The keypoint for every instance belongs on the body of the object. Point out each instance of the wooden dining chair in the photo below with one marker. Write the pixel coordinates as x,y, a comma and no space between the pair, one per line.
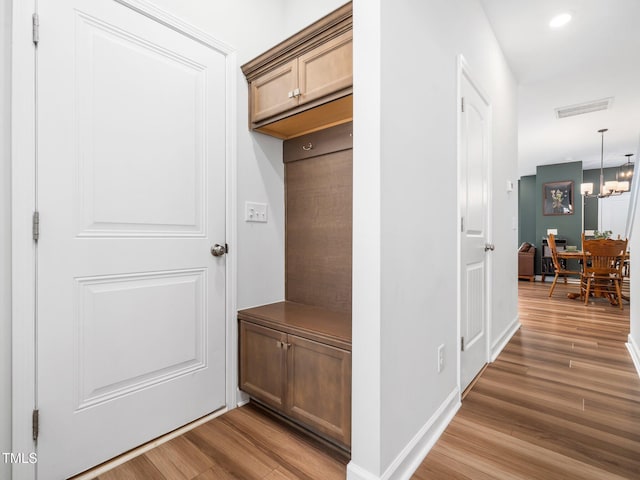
602,272
560,270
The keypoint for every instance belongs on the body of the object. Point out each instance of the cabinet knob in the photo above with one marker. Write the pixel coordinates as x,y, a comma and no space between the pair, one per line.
307,147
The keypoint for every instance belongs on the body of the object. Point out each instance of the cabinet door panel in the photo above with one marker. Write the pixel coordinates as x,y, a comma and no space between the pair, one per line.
270,92
320,388
326,69
263,364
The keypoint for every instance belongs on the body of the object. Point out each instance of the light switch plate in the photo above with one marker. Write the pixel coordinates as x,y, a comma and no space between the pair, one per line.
510,186
255,212
552,230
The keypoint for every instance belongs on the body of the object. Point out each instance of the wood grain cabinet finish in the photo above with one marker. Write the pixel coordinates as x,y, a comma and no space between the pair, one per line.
319,387
296,359
325,70
306,71
318,208
263,372
272,93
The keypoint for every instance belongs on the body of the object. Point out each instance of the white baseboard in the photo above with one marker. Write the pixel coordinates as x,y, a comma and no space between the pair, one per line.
355,472
410,458
508,332
242,398
634,350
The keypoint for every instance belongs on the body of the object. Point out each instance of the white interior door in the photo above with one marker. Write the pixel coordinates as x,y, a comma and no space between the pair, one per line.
131,195
474,200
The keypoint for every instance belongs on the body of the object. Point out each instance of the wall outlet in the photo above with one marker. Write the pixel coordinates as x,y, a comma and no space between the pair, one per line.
440,358
255,212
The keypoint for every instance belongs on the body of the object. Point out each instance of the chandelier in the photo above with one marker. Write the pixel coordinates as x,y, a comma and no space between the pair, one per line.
607,189
625,172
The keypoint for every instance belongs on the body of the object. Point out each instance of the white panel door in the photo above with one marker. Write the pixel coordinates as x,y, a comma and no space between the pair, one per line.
131,194
474,161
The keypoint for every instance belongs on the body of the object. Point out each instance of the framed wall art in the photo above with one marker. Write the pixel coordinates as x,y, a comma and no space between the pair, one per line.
557,198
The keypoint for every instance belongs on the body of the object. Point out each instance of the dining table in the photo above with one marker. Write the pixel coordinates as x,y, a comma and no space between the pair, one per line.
578,255
570,254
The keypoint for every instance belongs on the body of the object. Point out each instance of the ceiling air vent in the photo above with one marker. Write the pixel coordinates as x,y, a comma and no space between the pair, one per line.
581,108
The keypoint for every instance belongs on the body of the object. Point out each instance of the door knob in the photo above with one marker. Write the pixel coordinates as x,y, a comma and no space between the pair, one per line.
218,250
489,246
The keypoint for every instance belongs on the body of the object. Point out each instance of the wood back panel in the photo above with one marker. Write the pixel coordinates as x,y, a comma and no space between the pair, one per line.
318,232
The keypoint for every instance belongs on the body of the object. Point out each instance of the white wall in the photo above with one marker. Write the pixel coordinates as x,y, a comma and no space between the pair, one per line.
634,307
415,199
5,235
301,13
366,295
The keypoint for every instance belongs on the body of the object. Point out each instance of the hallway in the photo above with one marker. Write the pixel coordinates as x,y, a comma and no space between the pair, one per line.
562,401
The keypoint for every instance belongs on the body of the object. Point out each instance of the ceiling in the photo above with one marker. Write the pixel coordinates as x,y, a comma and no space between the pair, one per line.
595,56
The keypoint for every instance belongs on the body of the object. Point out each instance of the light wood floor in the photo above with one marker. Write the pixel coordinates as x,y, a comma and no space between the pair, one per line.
243,444
561,402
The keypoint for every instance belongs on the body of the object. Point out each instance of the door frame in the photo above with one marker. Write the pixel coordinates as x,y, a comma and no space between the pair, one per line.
23,199
463,70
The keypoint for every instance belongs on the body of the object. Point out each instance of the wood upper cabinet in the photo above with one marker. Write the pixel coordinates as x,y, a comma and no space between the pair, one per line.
326,69
272,93
307,71
314,75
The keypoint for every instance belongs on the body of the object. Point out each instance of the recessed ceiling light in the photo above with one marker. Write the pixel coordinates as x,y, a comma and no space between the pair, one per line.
560,20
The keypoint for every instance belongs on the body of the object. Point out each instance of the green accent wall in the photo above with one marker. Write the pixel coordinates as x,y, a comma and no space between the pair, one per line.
568,226
527,210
